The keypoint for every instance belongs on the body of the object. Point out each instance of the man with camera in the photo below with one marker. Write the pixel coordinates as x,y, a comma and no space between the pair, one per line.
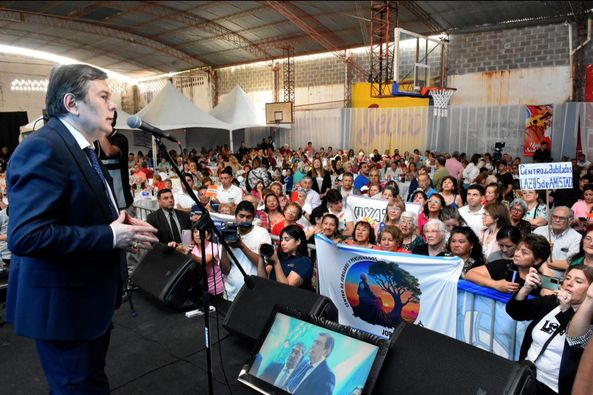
245,247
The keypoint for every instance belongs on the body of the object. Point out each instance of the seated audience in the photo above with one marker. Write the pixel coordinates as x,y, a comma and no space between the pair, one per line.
449,192
432,210
473,212
167,220
564,240
496,215
451,218
585,254
407,224
583,208
464,244
545,343
507,275
291,264
517,210
436,239
272,208
536,210
329,227
392,216
390,239
363,235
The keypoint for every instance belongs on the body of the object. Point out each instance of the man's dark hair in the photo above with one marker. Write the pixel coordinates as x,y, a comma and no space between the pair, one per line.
333,196
227,170
245,205
441,159
71,78
478,188
347,174
162,191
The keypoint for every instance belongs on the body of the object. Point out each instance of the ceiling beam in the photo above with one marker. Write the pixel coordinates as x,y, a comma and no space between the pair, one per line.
433,26
222,19
329,41
98,29
198,22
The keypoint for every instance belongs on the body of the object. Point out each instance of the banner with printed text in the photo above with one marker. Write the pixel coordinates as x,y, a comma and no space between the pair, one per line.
538,128
367,208
375,291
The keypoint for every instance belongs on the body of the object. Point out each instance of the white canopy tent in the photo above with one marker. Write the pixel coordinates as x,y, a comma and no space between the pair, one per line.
170,110
240,112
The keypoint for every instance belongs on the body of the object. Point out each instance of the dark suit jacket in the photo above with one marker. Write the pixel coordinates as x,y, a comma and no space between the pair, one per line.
320,382
64,281
270,374
326,184
159,220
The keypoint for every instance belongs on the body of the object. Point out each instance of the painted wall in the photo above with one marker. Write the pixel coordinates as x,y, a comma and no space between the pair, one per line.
538,85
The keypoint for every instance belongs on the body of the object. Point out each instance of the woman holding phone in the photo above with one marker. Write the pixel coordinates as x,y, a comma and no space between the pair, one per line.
545,342
508,275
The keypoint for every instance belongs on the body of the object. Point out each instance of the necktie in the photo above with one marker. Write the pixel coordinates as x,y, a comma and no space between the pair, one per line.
297,377
176,236
90,153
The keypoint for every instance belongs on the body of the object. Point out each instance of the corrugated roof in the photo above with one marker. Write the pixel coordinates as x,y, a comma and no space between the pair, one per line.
144,38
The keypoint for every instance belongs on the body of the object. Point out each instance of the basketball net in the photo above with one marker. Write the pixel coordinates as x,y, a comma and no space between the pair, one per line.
440,100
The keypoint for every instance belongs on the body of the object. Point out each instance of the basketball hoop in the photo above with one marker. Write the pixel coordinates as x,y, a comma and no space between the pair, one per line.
441,97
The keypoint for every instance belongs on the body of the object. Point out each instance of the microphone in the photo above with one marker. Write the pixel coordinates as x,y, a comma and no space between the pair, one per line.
135,122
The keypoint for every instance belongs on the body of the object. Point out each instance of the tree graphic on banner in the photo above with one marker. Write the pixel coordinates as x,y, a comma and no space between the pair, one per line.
397,283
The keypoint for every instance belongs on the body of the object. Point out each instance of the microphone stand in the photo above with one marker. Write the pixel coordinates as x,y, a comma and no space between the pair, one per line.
205,224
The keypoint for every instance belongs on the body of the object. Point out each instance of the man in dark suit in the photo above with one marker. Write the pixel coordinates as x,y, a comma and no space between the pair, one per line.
66,236
168,221
314,376
279,373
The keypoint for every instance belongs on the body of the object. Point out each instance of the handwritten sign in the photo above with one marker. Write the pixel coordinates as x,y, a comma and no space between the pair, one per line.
556,175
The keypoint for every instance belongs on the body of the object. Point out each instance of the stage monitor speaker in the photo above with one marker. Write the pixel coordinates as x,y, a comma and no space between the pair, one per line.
251,308
422,361
279,112
167,275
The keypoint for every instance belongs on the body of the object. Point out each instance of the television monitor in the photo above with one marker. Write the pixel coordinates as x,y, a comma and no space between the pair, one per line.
298,353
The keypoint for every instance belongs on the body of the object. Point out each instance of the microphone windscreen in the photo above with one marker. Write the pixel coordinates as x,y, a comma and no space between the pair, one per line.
134,122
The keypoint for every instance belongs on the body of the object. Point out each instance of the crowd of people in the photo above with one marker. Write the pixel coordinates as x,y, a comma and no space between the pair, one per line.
455,206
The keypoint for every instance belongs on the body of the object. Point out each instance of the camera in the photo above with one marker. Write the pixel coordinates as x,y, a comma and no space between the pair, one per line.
498,146
230,232
267,251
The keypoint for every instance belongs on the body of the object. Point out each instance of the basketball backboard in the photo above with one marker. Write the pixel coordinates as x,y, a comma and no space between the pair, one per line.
417,61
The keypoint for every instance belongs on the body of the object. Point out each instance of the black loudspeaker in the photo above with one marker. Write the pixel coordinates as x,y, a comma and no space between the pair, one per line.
422,361
251,308
167,275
